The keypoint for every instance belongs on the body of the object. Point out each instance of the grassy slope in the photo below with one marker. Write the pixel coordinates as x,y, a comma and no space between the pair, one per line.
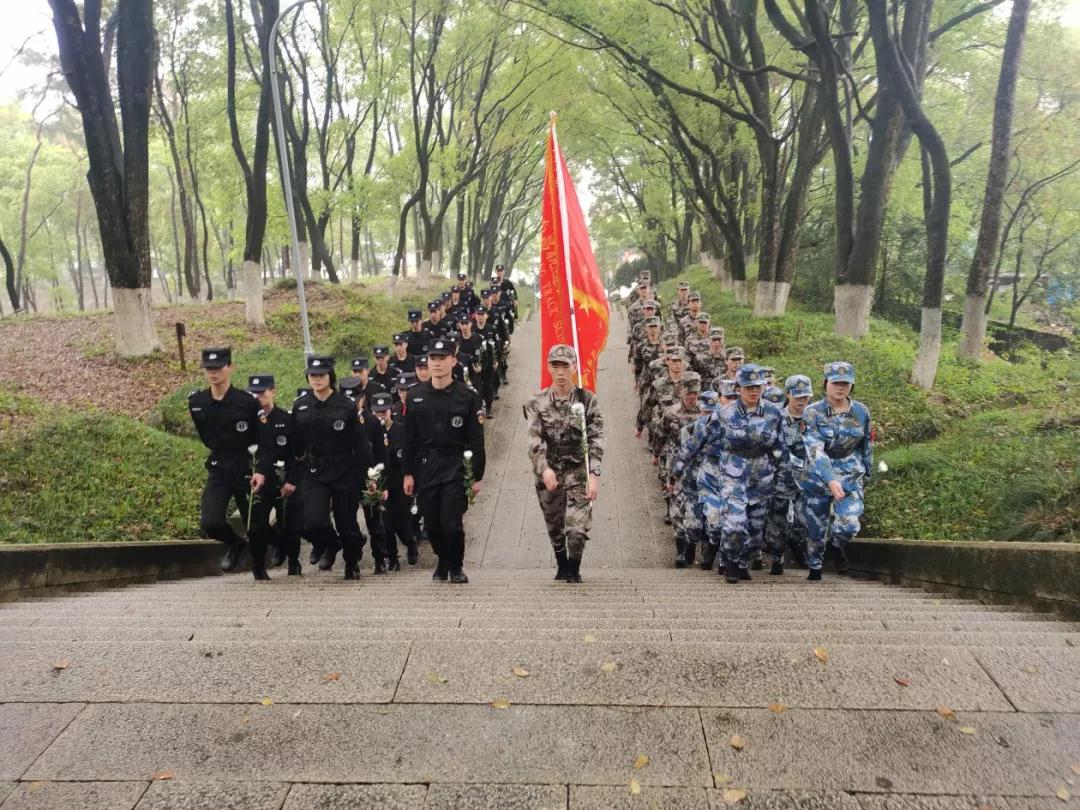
991,453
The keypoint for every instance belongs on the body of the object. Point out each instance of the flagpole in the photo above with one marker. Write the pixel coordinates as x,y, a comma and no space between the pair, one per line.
565,226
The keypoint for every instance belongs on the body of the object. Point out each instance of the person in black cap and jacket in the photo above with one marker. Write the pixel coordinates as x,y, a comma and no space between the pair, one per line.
331,445
402,362
227,421
444,420
371,426
382,374
276,456
397,517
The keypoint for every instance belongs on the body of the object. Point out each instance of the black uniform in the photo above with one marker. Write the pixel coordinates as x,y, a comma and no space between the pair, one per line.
276,449
227,426
374,432
418,341
437,330
384,379
331,445
399,367
440,425
397,517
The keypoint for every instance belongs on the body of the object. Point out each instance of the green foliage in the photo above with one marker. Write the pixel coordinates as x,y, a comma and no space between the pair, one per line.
93,476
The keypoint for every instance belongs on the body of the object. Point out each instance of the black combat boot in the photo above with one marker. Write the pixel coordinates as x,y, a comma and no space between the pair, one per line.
561,565
294,568
380,567
327,560
260,574
758,565
777,569
412,552
233,553
708,555
691,551
731,571
797,554
442,573
815,575
457,576
277,557
394,564
573,570
352,570
744,574
680,556
840,555
315,555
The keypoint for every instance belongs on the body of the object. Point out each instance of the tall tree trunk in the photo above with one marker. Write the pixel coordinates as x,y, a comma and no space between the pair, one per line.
119,167
9,276
176,177
973,326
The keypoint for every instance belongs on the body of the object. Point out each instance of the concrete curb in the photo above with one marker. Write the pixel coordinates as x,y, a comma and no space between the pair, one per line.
1042,576
34,569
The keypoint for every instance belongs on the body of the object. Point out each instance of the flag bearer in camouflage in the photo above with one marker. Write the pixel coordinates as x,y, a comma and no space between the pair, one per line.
711,364
839,459
566,434
742,442
784,528
697,342
648,349
672,421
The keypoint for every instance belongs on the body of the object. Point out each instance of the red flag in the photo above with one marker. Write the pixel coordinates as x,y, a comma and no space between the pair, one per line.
564,240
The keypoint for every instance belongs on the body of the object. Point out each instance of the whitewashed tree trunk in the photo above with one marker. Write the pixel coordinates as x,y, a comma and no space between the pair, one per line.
134,322
770,298
436,262
851,305
354,269
739,289
305,261
973,329
391,288
253,294
423,274
925,368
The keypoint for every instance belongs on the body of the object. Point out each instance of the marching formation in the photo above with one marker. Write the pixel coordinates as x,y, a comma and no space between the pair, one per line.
401,443
746,465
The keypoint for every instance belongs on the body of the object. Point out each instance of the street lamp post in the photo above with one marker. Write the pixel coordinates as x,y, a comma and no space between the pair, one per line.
286,175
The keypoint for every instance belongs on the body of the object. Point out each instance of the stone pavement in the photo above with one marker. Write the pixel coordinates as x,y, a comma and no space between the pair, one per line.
644,687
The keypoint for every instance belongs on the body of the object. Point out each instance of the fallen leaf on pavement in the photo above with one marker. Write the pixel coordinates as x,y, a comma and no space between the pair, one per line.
436,678
946,712
1076,768
635,787
267,702
737,742
1063,793
721,779
61,664
331,676
521,672
734,795
902,681
166,774
641,762
821,654
589,637
969,730
608,666
778,708
501,703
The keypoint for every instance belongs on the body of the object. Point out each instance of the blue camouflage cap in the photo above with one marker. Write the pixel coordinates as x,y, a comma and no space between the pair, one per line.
708,400
840,371
750,375
774,395
798,385
727,388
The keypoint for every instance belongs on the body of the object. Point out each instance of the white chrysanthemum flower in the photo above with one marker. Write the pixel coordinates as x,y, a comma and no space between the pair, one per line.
578,409
413,510
468,455
380,467
372,472
280,464
253,449
882,467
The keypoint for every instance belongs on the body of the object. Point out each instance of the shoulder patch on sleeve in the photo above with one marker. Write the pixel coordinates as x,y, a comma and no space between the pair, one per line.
192,393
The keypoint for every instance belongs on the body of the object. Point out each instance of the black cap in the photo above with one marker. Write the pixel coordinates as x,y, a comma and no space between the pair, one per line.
434,305
446,296
441,348
216,358
399,338
481,310
462,276
359,363
485,293
468,285
382,401
416,315
421,361
404,382
319,364
380,351
499,267
350,385
260,383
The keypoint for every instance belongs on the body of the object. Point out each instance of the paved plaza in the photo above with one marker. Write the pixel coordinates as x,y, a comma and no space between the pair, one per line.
644,687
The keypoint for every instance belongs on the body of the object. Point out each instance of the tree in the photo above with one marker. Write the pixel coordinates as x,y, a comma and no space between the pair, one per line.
973,327
118,166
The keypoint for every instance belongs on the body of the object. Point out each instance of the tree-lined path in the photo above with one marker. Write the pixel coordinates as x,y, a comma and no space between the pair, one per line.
646,686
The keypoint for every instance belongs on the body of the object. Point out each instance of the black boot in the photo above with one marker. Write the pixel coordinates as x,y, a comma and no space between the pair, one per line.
380,567
260,574
731,571
314,556
708,555
680,556
842,564
326,562
412,552
277,557
777,568
294,568
457,576
233,553
797,554
352,570
442,573
394,564
744,574
561,565
758,565
573,570
815,575
690,551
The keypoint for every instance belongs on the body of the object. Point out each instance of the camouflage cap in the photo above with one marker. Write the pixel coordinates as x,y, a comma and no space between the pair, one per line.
676,353
704,317
716,333
695,296
683,285
561,353
727,388
798,385
643,282
840,371
669,340
653,321
644,275
690,383
650,303
708,401
774,395
734,351
750,375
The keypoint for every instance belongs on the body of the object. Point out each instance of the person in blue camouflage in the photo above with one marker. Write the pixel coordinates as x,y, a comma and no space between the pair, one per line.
742,444
784,528
839,458
687,497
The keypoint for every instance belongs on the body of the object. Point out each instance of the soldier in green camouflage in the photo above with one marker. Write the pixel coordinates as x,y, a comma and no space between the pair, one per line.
697,343
658,367
647,350
566,446
678,308
688,323
650,309
711,365
661,393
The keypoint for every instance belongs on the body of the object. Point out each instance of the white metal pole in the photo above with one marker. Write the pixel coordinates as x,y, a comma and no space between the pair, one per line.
286,176
565,241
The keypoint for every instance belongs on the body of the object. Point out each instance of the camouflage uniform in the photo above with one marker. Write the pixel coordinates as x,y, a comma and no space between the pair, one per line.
555,442
688,501
784,527
668,439
737,474
660,395
644,353
697,344
652,371
710,366
838,448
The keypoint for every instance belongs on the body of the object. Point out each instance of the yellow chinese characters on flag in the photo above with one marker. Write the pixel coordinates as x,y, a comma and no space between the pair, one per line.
564,242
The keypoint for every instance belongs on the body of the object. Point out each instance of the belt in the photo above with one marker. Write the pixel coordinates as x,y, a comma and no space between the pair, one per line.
749,455
834,454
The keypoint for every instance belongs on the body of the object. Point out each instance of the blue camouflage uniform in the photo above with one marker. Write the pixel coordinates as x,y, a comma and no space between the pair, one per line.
688,503
784,527
838,448
740,450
